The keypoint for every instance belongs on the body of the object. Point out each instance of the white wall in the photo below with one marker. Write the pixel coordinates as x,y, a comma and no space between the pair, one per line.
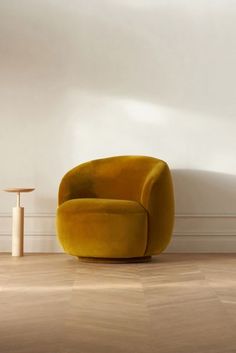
87,79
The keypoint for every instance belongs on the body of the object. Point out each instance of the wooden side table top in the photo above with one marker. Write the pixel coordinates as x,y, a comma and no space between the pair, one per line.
19,190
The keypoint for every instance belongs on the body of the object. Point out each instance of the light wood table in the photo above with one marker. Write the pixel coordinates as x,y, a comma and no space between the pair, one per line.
18,222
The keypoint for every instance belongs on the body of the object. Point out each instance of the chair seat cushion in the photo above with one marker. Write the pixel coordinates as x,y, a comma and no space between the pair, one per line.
103,228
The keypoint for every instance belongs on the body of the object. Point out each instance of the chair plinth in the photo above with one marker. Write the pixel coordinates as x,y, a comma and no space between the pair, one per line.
114,260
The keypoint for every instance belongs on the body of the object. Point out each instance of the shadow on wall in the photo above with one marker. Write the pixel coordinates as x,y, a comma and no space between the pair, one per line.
196,192
204,192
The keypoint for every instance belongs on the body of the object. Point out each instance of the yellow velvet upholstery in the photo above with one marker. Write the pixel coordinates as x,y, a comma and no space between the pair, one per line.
117,207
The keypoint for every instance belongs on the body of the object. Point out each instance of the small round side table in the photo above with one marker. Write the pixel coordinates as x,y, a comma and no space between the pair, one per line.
18,222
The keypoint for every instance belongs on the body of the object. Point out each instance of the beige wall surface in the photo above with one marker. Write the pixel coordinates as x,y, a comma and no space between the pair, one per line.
86,79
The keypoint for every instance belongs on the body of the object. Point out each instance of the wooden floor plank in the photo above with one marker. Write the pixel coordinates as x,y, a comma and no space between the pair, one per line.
178,303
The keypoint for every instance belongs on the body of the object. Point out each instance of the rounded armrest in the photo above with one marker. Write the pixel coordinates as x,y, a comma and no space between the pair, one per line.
157,198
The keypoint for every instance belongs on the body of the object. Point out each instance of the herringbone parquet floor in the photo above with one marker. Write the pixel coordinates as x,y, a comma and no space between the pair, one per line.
179,303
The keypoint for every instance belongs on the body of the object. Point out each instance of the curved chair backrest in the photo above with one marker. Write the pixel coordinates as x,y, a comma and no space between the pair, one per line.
146,180
111,178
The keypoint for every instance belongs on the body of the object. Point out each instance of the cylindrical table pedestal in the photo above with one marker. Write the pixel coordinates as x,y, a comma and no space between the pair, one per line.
17,231
18,222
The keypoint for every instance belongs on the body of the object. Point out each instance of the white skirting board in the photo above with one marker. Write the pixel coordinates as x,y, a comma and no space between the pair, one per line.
33,243
192,233
202,244
186,244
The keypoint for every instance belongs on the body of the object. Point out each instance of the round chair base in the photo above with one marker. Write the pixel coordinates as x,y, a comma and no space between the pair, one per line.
115,260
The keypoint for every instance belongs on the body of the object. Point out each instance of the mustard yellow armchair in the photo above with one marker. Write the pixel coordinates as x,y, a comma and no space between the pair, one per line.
116,209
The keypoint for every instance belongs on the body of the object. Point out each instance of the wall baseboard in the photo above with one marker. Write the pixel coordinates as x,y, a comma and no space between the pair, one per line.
192,233
33,243
186,244
202,243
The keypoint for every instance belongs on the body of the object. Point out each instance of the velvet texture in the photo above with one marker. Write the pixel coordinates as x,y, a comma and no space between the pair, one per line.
117,207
